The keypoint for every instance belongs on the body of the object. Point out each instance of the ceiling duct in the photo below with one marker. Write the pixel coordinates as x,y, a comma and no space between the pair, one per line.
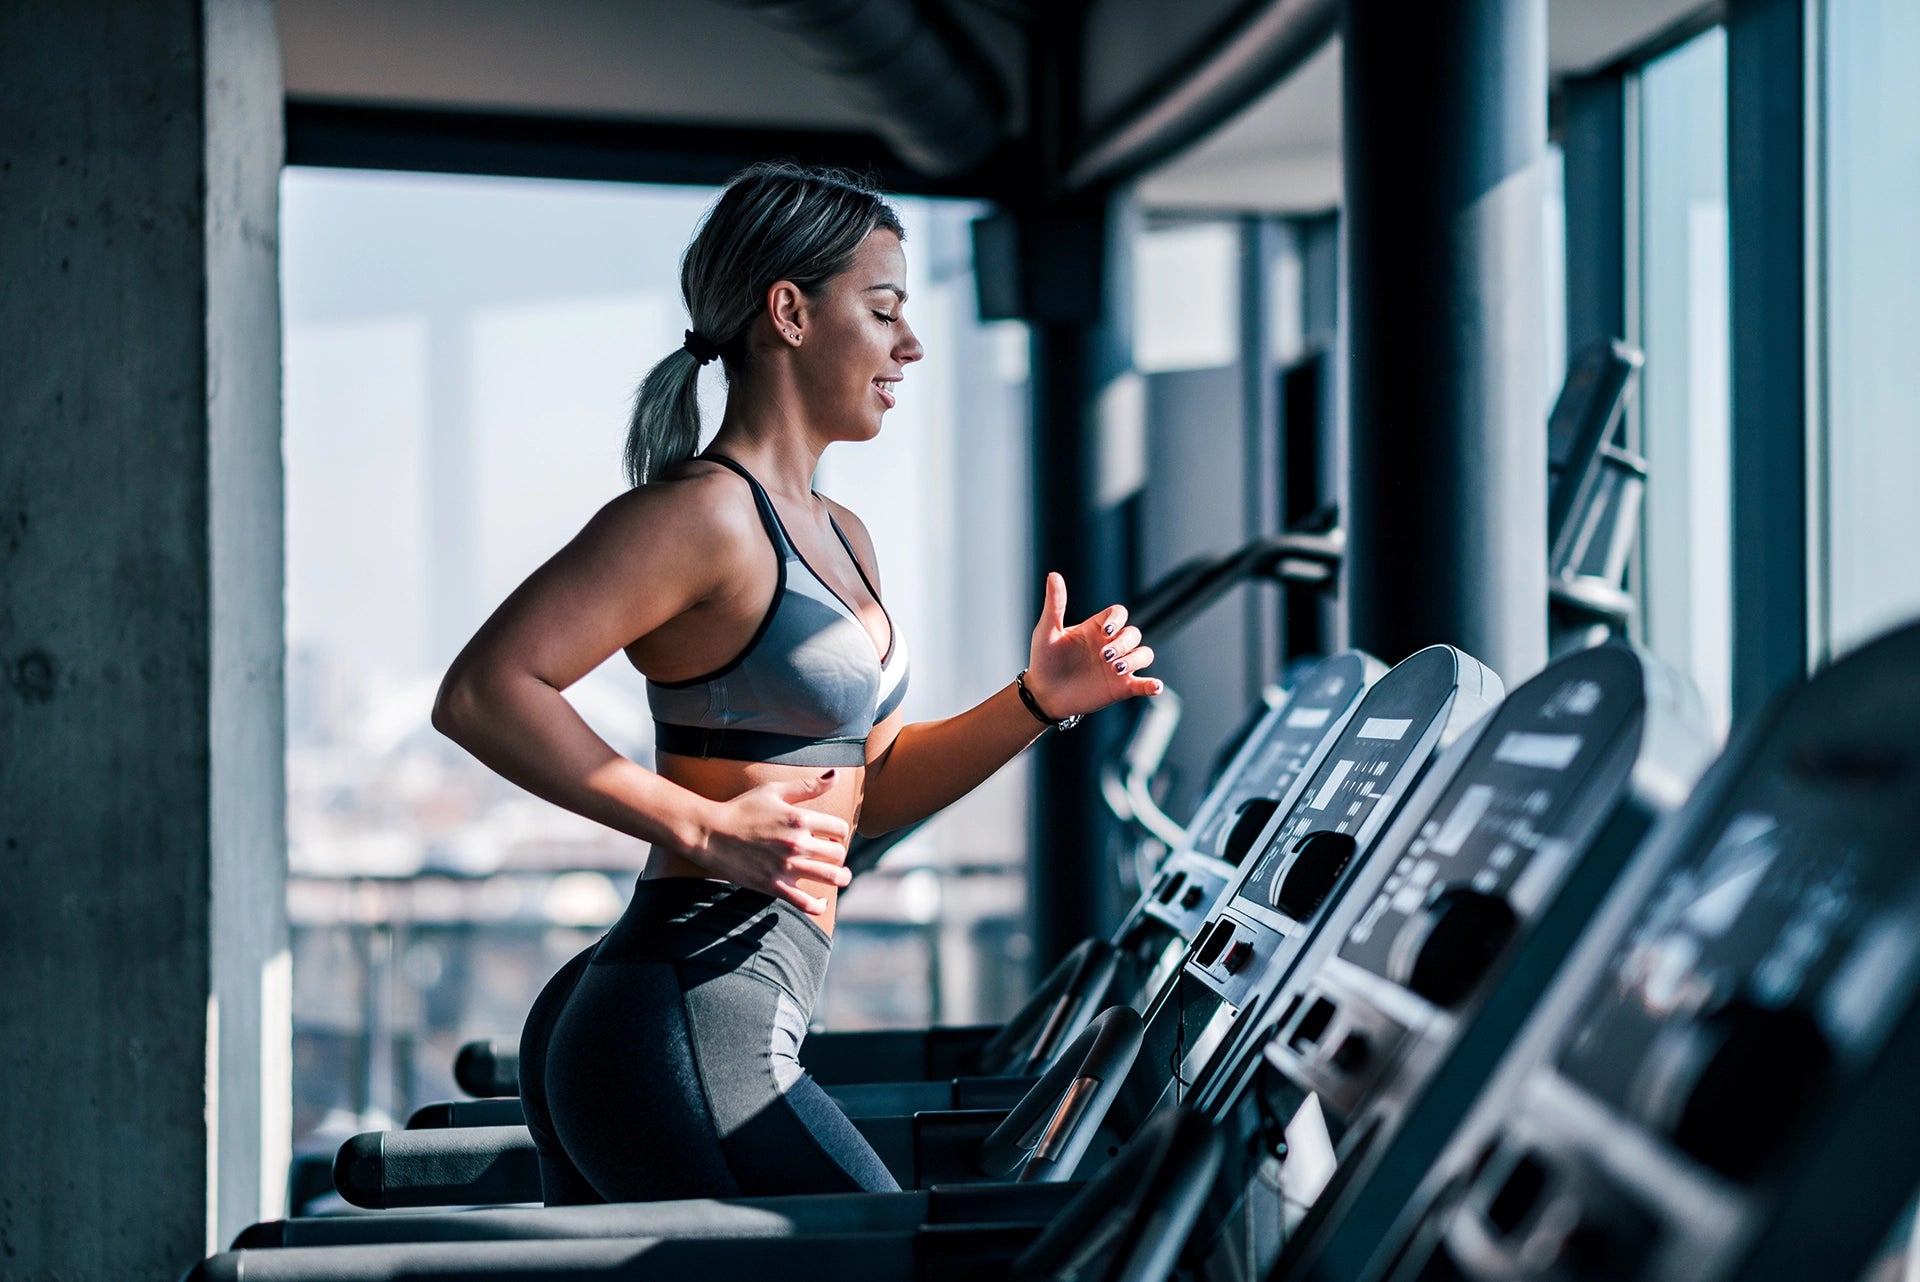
932,95
1250,54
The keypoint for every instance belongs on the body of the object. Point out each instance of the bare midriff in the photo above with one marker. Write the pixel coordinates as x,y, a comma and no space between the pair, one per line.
723,780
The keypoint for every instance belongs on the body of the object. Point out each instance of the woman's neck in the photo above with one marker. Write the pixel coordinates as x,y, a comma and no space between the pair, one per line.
766,438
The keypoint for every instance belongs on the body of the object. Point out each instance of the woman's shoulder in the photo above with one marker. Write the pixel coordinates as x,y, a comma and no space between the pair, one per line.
696,509
694,493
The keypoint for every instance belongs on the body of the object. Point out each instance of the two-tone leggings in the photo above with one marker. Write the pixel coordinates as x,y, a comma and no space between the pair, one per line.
663,1063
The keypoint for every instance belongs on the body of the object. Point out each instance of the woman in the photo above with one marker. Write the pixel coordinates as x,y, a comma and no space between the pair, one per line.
663,1062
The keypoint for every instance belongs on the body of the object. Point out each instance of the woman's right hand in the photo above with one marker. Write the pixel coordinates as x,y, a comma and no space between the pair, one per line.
765,840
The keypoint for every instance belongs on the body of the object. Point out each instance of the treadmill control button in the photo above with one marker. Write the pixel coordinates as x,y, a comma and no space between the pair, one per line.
1447,947
1192,898
1254,816
1565,1220
1728,1086
1313,1025
1352,1053
1207,951
1237,957
1318,859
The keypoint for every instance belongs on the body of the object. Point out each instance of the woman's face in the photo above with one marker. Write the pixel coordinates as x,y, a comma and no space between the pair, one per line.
855,340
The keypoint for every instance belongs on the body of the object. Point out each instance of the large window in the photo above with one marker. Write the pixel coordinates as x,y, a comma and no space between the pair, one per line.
1872,279
460,359
1186,296
1684,330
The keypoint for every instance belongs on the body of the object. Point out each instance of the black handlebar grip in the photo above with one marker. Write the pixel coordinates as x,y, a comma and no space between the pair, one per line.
489,1068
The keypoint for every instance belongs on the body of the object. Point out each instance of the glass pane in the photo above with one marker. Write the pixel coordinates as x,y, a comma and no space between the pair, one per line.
461,354
1554,280
1873,316
1186,297
1687,595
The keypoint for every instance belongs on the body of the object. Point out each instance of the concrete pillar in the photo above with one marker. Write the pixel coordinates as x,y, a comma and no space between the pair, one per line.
1444,140
1089,456
144,985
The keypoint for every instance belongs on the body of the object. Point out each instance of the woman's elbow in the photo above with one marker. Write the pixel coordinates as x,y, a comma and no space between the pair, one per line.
456,706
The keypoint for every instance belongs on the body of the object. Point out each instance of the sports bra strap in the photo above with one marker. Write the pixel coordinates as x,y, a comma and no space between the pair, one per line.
857,567
769,518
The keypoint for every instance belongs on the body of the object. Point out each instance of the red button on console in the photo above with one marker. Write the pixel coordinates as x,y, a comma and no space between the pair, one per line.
1237,957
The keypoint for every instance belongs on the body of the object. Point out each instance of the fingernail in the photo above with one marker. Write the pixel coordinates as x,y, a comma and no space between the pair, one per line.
1121,667
1108,629
828,775
1107,654
1158,686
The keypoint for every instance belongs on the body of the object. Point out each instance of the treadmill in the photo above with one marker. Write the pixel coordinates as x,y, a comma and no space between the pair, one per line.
1720,1083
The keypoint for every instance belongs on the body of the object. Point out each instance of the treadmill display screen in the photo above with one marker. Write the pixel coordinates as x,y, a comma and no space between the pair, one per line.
1510,800
1543,751
1365,764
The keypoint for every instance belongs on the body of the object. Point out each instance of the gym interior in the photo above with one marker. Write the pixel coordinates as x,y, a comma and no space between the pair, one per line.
1500,417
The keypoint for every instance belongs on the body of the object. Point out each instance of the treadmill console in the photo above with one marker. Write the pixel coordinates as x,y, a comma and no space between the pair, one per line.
1720,1083
1238,808
1416,985
1307,853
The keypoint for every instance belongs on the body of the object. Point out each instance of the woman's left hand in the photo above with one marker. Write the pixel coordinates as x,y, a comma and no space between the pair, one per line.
1081,669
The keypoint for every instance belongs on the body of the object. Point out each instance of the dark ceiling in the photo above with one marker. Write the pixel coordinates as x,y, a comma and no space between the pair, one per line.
658,79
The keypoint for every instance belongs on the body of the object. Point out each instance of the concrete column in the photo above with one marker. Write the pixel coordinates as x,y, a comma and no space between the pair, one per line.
1089,455
144,986
1445,135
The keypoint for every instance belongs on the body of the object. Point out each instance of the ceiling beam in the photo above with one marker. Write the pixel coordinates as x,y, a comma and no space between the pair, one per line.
512,144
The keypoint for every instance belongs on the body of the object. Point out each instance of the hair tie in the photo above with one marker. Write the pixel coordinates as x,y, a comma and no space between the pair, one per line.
703,350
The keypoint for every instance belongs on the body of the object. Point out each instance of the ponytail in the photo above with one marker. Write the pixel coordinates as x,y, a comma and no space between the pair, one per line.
665,428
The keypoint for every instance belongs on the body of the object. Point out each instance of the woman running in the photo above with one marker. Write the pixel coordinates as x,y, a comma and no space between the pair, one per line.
662,1062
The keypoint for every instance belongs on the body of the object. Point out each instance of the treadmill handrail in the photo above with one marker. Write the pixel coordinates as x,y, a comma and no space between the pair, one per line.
1037,1137
1307,558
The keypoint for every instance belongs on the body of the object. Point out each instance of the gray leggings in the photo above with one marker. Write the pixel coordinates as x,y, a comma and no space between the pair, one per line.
663,1063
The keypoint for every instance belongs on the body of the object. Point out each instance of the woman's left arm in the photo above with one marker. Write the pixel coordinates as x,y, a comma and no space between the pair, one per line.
915,770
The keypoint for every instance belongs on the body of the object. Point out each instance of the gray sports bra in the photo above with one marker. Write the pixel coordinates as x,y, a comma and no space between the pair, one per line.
807,688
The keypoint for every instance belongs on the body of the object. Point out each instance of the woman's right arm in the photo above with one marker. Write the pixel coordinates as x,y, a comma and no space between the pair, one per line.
646,557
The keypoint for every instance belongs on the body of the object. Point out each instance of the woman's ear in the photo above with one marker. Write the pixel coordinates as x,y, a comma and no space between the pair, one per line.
787,309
